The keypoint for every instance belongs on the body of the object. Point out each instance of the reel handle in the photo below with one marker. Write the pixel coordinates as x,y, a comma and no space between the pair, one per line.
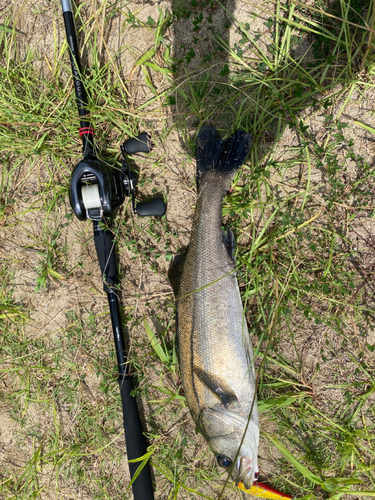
140,144
155,207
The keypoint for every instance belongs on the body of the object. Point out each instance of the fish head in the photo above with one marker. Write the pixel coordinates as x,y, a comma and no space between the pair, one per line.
235,447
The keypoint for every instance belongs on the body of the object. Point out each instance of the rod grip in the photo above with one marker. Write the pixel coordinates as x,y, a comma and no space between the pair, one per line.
105,249
135,441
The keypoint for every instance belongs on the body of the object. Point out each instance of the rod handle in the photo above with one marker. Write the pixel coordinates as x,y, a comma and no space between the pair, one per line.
135,441
106,252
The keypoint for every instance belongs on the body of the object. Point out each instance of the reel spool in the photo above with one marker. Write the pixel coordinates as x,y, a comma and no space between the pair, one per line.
91,197
97,190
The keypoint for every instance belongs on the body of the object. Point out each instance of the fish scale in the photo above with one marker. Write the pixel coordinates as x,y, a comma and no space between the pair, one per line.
215,352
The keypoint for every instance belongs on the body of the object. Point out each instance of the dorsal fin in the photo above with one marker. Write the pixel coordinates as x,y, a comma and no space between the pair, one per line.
226,395
175,271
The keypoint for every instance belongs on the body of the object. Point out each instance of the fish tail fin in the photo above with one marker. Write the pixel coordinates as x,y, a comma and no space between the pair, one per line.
224,157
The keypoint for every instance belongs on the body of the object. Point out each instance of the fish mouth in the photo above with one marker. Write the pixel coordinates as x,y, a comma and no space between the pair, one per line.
245,472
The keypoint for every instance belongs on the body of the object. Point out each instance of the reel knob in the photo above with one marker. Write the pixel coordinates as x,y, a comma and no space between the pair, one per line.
140,144
154,207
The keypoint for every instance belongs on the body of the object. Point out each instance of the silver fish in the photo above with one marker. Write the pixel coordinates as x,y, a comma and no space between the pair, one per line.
215,352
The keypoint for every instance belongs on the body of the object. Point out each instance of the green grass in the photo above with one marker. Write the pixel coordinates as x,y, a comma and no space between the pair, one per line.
302,211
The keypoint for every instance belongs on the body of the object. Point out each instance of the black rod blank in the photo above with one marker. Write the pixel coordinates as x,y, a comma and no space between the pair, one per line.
86,130
135,441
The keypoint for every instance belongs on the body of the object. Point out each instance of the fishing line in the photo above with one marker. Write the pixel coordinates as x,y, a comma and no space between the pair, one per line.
91,196
272,331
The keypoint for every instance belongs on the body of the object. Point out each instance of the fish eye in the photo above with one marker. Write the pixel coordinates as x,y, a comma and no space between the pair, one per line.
224,461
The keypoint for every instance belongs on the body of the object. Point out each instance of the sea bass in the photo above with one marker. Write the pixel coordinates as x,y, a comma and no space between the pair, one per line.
215,352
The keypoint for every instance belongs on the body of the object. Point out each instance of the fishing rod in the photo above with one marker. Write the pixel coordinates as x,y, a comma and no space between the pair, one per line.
96,192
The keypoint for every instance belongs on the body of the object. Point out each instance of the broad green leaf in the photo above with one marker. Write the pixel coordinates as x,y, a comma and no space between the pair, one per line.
301,468
343,480
281,401
148,81
145,57
9,30
156,67
144,459
366,127
155,343
55,274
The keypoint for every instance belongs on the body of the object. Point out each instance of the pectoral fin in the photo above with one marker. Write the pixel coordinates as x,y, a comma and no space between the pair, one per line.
218,387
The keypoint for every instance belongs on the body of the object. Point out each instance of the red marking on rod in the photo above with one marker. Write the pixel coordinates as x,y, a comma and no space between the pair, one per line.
86,131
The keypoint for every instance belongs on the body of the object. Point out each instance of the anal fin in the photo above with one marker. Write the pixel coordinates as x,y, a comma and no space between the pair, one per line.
230,244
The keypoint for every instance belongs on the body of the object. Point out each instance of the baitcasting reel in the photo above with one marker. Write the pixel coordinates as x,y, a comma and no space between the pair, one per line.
97,190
